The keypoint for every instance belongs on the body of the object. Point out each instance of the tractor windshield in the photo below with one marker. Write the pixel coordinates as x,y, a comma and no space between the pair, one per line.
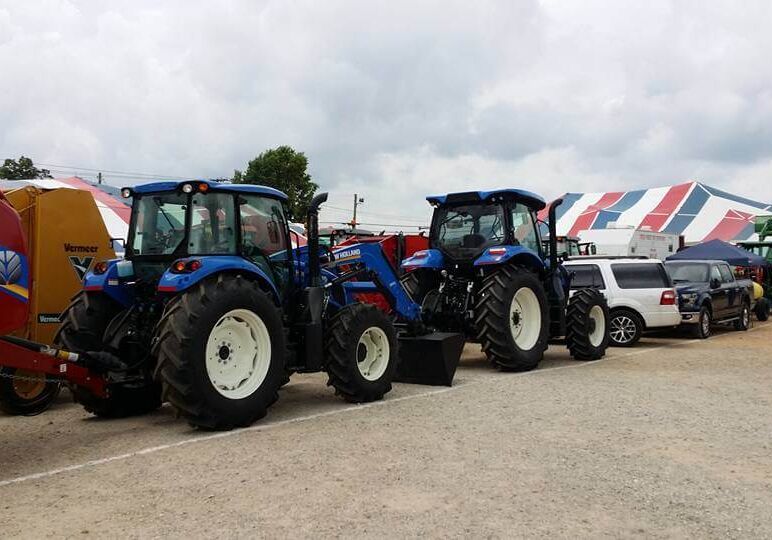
463,232
159,224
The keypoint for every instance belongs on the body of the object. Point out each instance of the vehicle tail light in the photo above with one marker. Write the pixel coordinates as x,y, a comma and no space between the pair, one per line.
668,298
100,268
497,251
186,267
422,254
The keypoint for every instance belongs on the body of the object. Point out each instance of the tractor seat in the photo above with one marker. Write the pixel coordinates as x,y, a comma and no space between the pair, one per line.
472,241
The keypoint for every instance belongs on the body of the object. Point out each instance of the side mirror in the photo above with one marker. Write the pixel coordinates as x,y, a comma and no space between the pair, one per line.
593,249
715,283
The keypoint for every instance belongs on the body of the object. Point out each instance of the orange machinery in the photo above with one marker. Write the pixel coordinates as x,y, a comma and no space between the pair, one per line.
64,235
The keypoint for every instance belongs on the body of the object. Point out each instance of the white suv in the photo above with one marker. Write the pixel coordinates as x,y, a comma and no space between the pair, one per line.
639,292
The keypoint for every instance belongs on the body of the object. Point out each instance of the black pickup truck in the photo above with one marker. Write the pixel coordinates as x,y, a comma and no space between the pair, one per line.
709,293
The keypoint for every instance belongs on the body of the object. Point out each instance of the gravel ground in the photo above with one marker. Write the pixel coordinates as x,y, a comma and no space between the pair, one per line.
672,438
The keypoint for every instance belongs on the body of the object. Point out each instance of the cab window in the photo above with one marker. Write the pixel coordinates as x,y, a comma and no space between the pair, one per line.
524,228
212,225
264,237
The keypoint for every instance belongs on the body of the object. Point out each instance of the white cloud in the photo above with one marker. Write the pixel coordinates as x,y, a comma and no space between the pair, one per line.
398,99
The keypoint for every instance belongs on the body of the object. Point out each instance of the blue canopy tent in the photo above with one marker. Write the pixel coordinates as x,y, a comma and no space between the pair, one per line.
718,250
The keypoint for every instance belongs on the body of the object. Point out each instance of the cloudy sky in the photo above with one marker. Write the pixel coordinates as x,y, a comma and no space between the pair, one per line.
394,99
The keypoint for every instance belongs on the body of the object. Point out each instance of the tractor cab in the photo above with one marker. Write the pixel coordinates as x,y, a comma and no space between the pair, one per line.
177,226
466,225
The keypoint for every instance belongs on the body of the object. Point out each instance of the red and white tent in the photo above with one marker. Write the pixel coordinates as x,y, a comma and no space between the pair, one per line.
693,209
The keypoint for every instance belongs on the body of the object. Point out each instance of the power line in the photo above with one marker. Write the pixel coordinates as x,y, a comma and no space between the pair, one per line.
129,174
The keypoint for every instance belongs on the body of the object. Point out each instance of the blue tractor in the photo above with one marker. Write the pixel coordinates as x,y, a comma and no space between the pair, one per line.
213,308
486,275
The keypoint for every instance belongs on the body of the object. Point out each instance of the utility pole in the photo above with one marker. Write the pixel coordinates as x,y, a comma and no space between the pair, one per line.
99,178
357,202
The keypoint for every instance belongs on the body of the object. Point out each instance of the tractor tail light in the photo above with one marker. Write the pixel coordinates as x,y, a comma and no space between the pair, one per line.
203,188
100,268
497,251
186,267
668,298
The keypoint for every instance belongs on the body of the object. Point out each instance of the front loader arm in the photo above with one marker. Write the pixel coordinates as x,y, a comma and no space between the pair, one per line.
372,265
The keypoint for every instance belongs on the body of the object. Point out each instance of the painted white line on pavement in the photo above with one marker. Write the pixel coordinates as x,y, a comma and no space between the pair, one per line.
267,426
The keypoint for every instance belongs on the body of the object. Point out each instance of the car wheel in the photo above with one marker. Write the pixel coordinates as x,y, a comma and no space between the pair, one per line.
702,330
744,322
625,328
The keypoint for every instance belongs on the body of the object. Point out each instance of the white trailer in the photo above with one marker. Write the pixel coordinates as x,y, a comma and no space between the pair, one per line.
629,241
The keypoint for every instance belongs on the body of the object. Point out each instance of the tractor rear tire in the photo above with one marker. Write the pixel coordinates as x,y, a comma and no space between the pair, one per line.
512,318
361,353
29,396
417,283
762,309
587,324
221,352
82,330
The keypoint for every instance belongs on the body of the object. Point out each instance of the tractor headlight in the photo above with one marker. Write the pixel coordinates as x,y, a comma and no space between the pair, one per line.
187,188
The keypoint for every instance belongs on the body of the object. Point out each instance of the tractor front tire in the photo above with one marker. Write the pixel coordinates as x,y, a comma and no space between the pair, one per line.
587,324
82,330
512,318
26,393
360,353
221,351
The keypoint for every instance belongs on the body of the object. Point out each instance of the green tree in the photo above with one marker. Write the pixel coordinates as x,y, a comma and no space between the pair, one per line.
22,169
284,169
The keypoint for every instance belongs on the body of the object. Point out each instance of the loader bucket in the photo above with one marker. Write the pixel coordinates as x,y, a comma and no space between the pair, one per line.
430,359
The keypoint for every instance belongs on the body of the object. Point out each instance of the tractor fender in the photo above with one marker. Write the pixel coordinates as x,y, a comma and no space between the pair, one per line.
424,258
176,282
510,254
109,283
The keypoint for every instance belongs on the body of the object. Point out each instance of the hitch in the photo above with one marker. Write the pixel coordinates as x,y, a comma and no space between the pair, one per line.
27,355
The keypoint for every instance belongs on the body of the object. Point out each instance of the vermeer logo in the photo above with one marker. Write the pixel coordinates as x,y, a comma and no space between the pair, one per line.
71,248
10,267
81,265
49,318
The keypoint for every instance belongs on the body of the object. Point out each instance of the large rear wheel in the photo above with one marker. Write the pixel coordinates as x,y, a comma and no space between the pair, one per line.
511,317
221,349
361,353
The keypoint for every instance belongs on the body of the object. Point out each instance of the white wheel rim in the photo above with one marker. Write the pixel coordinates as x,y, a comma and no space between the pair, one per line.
525,318
238,354
622,329
599,326
705,324
373,352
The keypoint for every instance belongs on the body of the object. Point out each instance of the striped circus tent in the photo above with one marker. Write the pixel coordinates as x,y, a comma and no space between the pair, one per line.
695,210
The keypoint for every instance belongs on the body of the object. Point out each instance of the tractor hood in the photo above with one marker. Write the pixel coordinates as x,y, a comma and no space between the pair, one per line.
532,200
